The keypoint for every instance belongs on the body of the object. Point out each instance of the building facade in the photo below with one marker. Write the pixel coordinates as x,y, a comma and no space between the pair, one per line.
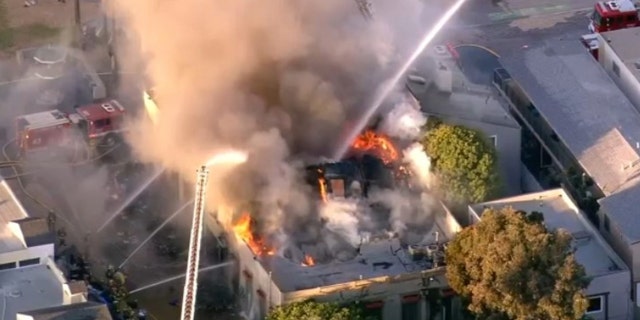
609,291
619,55
385,279
557,91
28,273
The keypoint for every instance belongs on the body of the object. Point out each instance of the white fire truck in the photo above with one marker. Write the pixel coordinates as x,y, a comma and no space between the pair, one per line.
96,124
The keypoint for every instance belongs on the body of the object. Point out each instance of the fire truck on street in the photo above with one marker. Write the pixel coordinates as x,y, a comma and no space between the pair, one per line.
51,132
614,15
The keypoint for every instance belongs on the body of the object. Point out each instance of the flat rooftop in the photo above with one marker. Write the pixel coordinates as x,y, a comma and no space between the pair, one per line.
385,256
10,210
29,288
561,213
626,44
467,100
584,107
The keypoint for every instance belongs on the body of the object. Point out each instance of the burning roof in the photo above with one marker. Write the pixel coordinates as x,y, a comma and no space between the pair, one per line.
365,223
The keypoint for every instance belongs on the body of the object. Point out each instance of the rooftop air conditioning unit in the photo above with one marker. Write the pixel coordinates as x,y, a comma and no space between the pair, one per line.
613,5
441,52
637,64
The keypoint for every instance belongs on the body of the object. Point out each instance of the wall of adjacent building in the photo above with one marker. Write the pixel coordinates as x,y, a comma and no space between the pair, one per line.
43,252
508,146
625,80
615,291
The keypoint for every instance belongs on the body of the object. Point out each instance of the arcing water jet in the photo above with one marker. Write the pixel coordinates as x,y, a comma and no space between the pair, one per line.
131,198
149,286
388,86
175,214
232,157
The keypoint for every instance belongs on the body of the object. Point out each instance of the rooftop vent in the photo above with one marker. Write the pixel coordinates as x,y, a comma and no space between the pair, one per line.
613,5
441,51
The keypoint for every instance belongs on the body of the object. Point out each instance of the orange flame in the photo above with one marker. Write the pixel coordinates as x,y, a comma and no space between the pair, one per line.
377,144
308,261
243,229
323,186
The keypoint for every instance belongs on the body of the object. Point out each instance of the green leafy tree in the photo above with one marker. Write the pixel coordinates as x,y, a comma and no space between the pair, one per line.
509,266
464,163
311,310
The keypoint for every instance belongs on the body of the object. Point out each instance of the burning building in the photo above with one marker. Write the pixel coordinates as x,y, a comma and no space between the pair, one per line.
373,241
387,274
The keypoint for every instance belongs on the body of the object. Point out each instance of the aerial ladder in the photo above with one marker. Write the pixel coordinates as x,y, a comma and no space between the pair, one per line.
195,239
366,9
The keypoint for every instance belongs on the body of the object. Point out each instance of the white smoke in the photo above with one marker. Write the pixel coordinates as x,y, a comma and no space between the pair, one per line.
343,218
419,163
405,120
406,209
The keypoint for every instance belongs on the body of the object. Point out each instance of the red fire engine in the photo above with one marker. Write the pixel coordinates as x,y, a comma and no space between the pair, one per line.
97,123
614,15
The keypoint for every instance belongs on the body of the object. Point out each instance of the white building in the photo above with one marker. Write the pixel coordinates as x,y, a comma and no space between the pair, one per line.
619,54
76,311
29,279
390,279
609,292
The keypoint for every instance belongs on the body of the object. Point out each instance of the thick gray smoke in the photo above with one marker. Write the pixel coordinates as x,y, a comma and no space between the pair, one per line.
281,79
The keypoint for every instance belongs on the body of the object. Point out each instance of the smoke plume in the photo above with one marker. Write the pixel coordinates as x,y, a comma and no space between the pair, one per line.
281,79
405,120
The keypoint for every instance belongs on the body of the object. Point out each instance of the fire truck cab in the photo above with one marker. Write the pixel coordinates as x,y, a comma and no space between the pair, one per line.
100,121
94,123
614,15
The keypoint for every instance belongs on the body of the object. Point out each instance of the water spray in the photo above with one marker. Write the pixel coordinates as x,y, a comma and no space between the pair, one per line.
230,158
161,282
166,221
131,198
388,86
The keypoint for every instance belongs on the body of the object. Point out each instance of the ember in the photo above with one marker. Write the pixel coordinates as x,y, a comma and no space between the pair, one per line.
308,261
242,228
376,144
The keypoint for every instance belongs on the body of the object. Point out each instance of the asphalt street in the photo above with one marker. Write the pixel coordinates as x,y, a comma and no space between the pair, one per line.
513,24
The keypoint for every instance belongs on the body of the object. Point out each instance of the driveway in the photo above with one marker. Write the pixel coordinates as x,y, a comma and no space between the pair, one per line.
477,63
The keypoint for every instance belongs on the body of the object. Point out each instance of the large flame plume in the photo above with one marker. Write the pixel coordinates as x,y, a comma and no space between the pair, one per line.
243,228
376,144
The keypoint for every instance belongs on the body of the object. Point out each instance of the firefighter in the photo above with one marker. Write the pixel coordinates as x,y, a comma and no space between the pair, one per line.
51,220
61,237
111,271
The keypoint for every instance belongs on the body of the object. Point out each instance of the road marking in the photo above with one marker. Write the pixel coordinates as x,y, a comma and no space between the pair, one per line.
479,47
527,12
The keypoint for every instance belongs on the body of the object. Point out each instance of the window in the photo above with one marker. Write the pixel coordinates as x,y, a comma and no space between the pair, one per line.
494,140
607,225
596,304
6,266
411,307
29,262
615,69
373,310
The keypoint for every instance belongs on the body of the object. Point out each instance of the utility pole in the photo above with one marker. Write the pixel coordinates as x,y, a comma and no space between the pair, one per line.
77,30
